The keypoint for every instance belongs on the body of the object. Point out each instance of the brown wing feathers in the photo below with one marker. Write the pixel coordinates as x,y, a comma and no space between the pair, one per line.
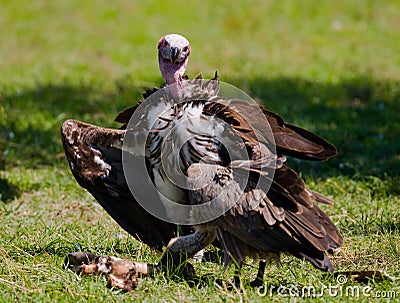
272,224
297,142
96,163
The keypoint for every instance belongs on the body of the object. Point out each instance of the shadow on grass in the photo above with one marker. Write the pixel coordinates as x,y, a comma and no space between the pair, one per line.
31,118
8,191
389,227
360,116
55,248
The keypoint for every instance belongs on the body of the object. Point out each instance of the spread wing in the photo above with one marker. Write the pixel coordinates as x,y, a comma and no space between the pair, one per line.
290,140
297,142
95,158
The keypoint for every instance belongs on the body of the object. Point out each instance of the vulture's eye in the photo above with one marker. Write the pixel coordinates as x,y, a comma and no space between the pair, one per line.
185,49
165,42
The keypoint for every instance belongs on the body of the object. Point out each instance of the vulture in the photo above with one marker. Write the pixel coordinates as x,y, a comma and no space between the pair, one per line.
233,182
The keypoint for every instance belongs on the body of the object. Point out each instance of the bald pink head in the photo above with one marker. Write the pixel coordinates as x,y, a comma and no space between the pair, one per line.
173,54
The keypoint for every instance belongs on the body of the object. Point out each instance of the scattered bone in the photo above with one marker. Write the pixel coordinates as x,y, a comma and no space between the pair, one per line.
121,273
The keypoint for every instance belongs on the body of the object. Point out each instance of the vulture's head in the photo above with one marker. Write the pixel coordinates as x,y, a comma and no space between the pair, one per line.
173,54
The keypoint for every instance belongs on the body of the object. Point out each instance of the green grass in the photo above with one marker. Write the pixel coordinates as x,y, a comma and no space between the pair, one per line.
331,66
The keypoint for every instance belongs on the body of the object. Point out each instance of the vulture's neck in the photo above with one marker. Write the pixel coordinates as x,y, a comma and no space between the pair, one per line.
173,74
174,78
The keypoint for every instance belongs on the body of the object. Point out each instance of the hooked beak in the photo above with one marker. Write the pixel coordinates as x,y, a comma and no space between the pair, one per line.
174,55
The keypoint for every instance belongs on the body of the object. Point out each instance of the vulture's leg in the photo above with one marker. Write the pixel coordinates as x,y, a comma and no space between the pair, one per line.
259,280
270,258
174,260
185,230
236,277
